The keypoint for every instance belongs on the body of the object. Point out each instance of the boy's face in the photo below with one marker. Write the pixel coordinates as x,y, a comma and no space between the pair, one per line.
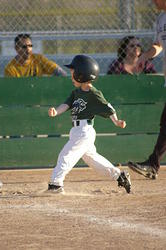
75,83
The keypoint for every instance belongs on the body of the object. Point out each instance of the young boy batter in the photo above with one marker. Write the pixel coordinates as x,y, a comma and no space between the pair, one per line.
85,102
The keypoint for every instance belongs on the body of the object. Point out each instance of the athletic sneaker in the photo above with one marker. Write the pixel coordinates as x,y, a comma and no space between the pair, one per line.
124,181
55,188
144,169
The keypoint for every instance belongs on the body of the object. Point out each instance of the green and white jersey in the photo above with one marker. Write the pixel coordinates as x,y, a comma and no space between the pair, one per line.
87,104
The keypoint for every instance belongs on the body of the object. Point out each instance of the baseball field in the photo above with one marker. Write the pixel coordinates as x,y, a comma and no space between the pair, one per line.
93,213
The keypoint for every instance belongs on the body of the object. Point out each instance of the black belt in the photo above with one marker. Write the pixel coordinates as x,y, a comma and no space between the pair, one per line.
77,122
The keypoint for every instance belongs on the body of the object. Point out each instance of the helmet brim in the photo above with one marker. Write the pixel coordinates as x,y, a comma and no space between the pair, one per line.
70,66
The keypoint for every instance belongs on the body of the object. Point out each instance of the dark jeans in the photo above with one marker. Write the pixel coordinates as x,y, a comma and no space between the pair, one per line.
160,147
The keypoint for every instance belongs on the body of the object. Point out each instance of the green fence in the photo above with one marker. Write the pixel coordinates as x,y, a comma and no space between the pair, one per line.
29,138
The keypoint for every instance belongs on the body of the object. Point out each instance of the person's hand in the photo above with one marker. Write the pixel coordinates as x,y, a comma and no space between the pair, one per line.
52,112
121,123
140,63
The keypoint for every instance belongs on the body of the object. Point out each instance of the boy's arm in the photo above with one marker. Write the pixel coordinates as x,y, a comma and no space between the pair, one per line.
118,123
59,110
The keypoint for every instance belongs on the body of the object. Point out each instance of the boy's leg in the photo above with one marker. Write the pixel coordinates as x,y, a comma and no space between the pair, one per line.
74,149
101,164
68,157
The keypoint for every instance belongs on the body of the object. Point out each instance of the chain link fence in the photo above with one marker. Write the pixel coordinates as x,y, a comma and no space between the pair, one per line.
63,28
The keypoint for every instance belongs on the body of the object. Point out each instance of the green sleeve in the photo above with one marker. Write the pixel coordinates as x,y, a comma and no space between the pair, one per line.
103,107
69,100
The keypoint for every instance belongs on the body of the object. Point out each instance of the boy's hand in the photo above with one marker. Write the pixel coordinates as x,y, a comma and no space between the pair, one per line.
121,123
52,112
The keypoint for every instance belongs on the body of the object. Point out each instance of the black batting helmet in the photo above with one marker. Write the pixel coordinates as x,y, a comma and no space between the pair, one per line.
85,68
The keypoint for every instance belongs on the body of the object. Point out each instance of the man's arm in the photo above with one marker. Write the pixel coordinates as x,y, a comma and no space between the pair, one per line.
50,67
59,71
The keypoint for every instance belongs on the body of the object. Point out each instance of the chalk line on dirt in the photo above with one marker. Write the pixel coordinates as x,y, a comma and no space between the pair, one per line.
117,223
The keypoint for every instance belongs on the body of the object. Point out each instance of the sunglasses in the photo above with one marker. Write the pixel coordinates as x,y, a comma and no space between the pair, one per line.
26,46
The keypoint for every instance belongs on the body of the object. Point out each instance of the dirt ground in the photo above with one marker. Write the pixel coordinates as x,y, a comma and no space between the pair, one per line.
92,214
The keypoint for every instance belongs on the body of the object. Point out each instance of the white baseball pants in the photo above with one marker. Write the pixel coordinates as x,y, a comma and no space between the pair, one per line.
81,145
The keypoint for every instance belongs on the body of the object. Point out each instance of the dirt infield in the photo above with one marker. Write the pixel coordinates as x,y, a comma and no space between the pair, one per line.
92,214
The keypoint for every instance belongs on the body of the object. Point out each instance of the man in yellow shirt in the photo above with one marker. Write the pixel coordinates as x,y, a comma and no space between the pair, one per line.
27,64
